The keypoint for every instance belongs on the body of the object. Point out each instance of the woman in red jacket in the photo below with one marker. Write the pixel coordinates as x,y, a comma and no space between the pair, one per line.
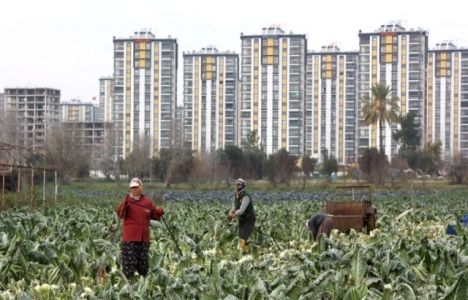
136,210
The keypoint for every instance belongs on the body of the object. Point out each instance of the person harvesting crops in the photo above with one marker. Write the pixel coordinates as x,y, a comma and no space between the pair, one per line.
320,224
243,211
136,210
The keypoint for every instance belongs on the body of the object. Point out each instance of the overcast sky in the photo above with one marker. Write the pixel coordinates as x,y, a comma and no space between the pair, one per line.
68,44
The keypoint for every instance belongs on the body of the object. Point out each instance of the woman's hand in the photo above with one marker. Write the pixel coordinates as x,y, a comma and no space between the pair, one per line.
159,211
232,215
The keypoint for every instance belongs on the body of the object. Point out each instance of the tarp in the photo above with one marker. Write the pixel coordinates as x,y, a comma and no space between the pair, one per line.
451,230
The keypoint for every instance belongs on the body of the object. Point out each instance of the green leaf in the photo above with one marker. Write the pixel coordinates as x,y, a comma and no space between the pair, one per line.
3,241
356,293
216,279
258,291
322,277
358,268
372,280
459,290
209,297
278,292
406,291
39,257
296,291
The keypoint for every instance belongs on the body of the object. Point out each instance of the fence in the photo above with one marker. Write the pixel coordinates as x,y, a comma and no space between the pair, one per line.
21,180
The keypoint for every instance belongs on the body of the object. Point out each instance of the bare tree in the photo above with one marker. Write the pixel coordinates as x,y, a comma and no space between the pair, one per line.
200,171
109,163
9,128
458,169
270,169
374,164
138,161
220,166
329,164
397,167
307,167
280,167
66,152
180,166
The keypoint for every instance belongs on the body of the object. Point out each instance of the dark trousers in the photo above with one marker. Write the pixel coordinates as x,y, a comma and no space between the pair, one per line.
135,258
326,227
246,227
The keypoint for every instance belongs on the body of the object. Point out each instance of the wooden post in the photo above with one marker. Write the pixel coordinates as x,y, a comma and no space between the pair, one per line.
43,187
412,198
3,188
55,199
19,186
150,177
32,186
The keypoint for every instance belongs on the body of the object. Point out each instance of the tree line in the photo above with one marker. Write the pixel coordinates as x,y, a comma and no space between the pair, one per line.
182,165
66,152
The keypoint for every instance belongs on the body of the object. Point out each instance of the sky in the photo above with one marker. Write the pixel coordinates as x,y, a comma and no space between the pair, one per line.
68,45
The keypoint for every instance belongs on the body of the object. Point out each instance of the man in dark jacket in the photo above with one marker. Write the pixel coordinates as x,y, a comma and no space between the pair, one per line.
136,210
243,211
320,224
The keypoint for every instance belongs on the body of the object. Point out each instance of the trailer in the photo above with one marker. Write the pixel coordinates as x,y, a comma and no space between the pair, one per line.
352,208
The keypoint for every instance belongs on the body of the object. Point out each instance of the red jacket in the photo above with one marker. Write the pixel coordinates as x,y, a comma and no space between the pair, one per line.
136,215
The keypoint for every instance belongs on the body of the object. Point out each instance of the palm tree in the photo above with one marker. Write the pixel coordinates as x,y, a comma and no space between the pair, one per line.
381,109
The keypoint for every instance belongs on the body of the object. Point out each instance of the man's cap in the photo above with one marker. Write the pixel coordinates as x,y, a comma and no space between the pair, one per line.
241,181
135,182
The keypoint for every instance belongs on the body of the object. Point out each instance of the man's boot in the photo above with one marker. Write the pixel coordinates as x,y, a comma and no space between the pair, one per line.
244,245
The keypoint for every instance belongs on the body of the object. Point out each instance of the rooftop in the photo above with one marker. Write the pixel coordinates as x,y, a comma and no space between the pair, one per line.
445,45
210,49
272,30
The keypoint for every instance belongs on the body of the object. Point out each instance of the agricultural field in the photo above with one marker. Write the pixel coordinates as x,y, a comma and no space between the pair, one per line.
72,251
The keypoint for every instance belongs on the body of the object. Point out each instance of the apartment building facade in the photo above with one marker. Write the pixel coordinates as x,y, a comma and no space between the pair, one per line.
179,128
77,111
106,86
2,103
32,112
210,99
397,57
331,104
447,99
273,89
145,89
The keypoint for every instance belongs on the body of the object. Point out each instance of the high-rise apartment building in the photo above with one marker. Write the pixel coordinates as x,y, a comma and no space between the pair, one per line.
106,86
1,103
210,99
2,119
77,111
447,99
397,57
32,112
145,89
331,103
273,83
179,128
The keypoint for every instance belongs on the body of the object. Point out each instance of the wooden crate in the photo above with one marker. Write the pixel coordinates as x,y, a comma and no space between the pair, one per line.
346,208
345,223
